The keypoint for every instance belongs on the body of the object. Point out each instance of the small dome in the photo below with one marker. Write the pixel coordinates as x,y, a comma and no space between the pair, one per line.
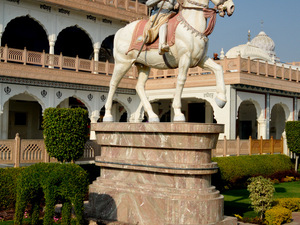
263,41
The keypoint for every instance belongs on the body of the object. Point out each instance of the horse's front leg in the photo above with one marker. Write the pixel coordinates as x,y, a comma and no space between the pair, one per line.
143,72
220,85
119,71
183,67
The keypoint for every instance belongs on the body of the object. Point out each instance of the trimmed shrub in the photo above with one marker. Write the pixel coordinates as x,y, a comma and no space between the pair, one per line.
57,183
261,194
278,215
65,133
8,182
234,171
292,204
292,129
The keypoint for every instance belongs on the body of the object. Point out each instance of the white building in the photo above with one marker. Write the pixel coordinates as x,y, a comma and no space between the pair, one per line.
262,93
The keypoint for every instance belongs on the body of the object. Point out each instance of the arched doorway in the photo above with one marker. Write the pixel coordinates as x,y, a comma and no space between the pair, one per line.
25,117
106,50
277,123
118,111
24,32
73,41
246,123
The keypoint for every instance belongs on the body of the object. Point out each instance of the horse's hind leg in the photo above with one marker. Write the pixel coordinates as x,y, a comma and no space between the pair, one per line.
119,71
143,72
220,85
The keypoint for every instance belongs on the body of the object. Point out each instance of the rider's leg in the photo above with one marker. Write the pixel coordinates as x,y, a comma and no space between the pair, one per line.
163,45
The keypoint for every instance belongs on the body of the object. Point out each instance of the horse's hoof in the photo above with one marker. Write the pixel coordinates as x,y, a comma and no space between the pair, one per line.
108,119
220,102
179,118
154,120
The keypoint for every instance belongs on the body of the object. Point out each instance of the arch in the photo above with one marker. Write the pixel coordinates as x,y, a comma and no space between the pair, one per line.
278,118
119,110
259,111
73,41
74,102
25,31
246,123
35,98
25,116
106,49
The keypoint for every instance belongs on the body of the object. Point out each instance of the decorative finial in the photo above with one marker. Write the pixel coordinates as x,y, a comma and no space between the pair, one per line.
249,36
222,56
262,25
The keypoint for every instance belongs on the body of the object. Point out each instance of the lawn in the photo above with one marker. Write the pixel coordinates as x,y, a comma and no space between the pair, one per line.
237,201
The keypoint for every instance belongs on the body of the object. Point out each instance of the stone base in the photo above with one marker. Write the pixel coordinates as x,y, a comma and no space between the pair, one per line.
157,174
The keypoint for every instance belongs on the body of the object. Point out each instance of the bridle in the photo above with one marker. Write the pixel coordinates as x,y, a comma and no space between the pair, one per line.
200,6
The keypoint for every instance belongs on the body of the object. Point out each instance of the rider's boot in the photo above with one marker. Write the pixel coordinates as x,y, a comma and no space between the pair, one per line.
163,45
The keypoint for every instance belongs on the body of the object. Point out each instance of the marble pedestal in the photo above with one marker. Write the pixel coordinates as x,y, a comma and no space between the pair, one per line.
157,173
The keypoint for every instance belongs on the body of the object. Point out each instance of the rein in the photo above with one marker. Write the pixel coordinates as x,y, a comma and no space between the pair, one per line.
208,14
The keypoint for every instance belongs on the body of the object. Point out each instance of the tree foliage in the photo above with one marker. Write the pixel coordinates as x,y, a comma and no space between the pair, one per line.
65,133
292,129
261,194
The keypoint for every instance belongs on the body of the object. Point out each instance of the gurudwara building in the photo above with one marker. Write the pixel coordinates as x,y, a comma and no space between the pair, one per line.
59,54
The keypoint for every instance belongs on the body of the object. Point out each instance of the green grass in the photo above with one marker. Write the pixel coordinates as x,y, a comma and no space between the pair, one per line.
237,201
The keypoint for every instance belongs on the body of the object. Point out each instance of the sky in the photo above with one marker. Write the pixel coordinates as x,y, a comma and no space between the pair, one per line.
281,22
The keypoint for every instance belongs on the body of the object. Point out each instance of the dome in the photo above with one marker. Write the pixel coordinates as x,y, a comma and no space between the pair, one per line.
263,41
248,50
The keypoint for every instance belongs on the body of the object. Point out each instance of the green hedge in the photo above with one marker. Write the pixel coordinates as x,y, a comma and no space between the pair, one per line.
65,132
293,136
235,170
8,180
58,183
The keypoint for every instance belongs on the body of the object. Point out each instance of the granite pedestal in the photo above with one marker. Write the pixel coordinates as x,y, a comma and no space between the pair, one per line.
157,173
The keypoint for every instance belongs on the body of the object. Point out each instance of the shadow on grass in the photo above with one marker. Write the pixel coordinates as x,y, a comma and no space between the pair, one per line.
280,190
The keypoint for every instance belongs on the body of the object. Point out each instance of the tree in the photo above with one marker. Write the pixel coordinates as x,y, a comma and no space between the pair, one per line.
292,129
65,133
261,194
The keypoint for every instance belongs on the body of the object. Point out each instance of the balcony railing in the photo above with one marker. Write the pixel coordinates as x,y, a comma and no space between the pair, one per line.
240,65
248,147
19,151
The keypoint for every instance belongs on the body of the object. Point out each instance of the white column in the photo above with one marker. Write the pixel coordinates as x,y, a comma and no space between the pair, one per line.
233,113
96,55
262,128
209,114
52,39
4,118
268,118
94,118
296,110
285,148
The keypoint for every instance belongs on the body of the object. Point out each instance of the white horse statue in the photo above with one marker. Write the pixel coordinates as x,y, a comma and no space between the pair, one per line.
189,50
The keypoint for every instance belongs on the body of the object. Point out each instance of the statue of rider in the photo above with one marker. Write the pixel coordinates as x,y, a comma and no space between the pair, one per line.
166,10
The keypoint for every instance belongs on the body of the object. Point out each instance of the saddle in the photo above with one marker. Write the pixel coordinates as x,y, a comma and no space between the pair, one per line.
137,37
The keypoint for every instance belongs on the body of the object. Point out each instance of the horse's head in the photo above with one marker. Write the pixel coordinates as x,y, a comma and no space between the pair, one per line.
224,6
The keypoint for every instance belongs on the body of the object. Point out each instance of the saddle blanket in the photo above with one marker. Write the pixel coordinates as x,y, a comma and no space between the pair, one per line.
137,37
